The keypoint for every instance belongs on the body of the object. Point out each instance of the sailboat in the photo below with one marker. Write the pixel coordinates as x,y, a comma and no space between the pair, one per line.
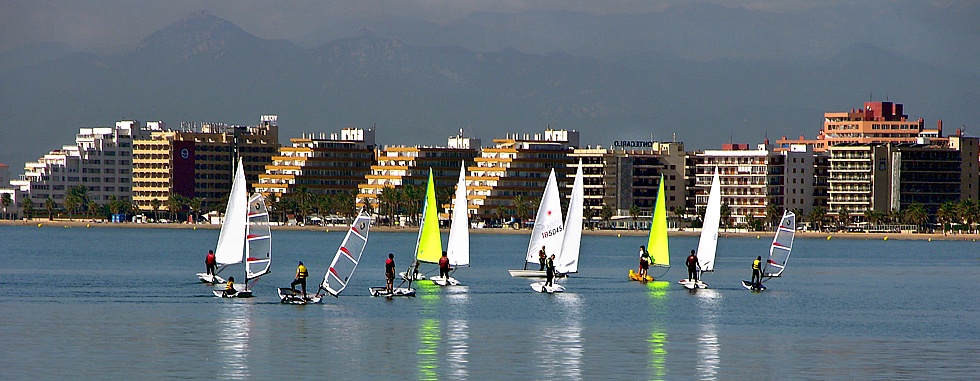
342,267
567,260
657,244
458,247
548,231
245,236
428,247
782,246
708,244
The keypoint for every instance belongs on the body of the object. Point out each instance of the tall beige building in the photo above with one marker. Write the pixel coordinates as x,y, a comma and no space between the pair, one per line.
199,162
323,164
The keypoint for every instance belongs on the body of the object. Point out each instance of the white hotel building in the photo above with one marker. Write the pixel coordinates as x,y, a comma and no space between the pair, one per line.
100,160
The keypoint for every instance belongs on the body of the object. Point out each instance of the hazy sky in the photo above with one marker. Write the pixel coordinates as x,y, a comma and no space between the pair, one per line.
114,24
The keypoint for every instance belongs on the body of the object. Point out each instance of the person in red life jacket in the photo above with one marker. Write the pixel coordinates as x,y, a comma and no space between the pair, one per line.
301,275
390,273
692,267
444,266
211,264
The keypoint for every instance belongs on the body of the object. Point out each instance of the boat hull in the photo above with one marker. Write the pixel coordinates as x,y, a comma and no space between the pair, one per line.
749,286
527,273
448,281
398,291
540,287
633,275
290,296
690,285
210,279
240,294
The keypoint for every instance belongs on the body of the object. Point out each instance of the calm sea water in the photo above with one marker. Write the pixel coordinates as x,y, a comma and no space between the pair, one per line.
125,304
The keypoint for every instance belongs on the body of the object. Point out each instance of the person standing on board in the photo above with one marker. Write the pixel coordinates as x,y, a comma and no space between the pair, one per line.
550,274
444,266
542,258
692,267
211,264
390,273
301,275
644,262
757,271
230,287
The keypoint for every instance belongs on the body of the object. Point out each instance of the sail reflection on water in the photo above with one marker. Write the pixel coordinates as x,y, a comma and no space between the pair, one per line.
709,348
658,337
561,345
458,330
233,329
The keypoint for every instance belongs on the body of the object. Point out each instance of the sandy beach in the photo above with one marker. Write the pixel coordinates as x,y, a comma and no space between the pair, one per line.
45,223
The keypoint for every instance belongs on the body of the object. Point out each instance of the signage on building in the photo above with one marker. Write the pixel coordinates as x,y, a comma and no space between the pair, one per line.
633,144
183,168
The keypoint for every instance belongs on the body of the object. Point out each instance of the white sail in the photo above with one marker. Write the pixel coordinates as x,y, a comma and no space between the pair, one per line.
348,255
548,229
231,240
258,254
458,247
782,245
567,260
708,244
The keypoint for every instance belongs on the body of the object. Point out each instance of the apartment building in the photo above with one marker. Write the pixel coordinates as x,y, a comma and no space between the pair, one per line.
323,164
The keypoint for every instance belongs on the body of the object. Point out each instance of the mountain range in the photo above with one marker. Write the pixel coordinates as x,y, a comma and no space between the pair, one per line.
204,68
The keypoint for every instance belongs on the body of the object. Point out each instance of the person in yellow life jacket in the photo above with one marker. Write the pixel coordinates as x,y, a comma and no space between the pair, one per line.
230,287
301,275
757,271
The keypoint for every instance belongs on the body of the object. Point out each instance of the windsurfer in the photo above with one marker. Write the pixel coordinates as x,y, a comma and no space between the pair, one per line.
301,275
692,267
757,272
644,262
390,273
444,266
230,287
211,264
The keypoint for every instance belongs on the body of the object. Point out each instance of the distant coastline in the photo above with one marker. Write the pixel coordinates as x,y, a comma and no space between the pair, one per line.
44,223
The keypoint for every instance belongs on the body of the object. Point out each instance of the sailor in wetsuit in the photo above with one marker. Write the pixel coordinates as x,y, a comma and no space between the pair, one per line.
692,267
444,266
550,274
390,273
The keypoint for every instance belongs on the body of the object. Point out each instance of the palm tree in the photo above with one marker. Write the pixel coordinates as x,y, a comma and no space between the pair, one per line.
946,214
195,205
49,205
347,205
606,213
679,213
968,211
28,207
817,216
412,196
93,209
175,203
773,215
155,205
634,213
843,216
272,203
521,206
916,214
726,214
71,202
6,200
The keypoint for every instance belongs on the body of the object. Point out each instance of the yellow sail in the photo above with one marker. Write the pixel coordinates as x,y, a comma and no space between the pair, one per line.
430,243
657,246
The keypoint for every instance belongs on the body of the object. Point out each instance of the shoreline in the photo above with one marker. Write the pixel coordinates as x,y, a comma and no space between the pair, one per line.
395,229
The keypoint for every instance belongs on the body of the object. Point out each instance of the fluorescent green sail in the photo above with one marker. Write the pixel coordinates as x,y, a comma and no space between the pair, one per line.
430,243
657,246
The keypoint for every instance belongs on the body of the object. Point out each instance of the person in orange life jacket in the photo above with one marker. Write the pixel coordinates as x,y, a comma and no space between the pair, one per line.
692,267
230,287
444,266
211,263
390,273
301,275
